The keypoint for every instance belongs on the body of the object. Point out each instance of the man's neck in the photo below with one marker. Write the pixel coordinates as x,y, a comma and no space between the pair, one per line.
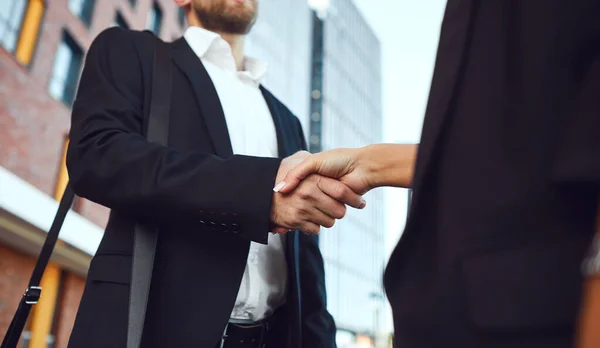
234,40
237,47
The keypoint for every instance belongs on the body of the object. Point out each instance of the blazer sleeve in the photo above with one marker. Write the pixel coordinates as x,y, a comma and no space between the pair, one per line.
578,160
318,326
111,163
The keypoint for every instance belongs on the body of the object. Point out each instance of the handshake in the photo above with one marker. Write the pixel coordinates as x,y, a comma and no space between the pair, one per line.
313,190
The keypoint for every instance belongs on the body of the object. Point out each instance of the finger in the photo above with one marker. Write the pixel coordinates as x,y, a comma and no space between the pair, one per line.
309,166
281,230
340,192
317,217
329,206
310,228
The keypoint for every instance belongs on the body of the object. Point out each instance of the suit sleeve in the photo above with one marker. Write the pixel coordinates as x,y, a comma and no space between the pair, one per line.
318,326
579,147
111,163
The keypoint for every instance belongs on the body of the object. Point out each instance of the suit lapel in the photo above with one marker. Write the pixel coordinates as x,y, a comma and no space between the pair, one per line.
206,95
287,145
449,64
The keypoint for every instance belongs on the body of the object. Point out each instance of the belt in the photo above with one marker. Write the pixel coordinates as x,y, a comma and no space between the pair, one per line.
251,335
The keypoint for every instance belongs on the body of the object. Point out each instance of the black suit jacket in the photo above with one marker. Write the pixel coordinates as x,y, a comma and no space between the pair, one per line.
506,180
208,203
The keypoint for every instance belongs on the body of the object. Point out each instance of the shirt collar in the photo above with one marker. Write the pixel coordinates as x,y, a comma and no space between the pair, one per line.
211,47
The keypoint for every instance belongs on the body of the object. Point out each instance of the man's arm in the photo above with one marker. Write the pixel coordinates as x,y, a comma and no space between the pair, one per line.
110,162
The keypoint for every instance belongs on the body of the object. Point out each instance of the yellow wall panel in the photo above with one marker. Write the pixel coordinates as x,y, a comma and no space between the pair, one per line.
43,311
29,31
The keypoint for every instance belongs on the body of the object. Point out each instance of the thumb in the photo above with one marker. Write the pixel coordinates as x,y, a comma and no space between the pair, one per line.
293,178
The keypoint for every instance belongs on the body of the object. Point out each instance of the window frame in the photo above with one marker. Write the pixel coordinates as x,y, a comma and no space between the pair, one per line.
90,5
38,35
69,80
157,12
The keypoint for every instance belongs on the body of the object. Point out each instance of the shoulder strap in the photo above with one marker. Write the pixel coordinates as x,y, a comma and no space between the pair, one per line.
33,292
144,240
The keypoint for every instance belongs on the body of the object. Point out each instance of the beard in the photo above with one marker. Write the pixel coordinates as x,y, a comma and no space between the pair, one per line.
222,17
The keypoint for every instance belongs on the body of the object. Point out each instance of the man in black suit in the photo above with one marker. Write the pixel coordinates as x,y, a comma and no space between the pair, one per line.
220,278
506,180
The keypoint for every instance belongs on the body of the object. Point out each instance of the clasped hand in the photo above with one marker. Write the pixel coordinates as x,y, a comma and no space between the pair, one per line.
315,190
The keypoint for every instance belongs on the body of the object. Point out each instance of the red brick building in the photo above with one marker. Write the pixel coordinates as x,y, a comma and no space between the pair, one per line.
42,48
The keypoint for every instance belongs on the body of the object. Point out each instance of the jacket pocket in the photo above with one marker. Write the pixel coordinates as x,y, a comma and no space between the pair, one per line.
525,288
111,268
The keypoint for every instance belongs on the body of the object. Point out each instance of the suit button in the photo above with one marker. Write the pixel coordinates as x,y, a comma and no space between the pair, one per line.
225,228
202,223
213,225
235,228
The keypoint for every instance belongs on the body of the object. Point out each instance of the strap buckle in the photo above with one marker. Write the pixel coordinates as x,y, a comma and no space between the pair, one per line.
32,294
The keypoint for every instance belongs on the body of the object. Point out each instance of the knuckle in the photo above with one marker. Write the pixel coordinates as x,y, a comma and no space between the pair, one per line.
304,194
340,212
313,230
329,223
340,191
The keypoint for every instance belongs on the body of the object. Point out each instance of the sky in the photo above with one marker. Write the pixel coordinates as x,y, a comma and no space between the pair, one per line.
408,31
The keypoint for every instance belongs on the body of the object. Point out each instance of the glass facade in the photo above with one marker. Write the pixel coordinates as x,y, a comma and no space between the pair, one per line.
353,249
281,38
349,115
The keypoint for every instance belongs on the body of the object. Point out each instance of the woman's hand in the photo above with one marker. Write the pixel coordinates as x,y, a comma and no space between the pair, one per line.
347,165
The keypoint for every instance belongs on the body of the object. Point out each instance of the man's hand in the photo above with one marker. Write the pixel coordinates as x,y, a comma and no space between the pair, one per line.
317,201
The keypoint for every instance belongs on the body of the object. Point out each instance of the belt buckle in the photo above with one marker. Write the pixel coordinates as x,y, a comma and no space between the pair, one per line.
264,328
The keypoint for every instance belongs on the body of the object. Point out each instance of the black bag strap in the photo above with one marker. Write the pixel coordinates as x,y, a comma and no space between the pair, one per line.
144,239
33,291
144,245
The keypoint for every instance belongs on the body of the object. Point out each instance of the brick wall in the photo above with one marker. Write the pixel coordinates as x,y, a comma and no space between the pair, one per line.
33,127
15,269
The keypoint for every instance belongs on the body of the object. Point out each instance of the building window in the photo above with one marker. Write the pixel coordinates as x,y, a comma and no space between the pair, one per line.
181,16
83,9
154,19
11,18
65,73
20,22
120,21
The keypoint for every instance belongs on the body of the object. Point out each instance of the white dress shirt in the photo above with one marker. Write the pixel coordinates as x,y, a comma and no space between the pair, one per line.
252,132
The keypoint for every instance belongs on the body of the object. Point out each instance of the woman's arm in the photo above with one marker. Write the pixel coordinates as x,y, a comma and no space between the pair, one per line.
361,169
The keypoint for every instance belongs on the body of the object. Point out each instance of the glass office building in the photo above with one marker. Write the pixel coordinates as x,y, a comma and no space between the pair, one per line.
281,37
338,101
350,115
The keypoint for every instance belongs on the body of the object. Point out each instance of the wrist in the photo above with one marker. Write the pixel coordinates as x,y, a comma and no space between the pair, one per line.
388,164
